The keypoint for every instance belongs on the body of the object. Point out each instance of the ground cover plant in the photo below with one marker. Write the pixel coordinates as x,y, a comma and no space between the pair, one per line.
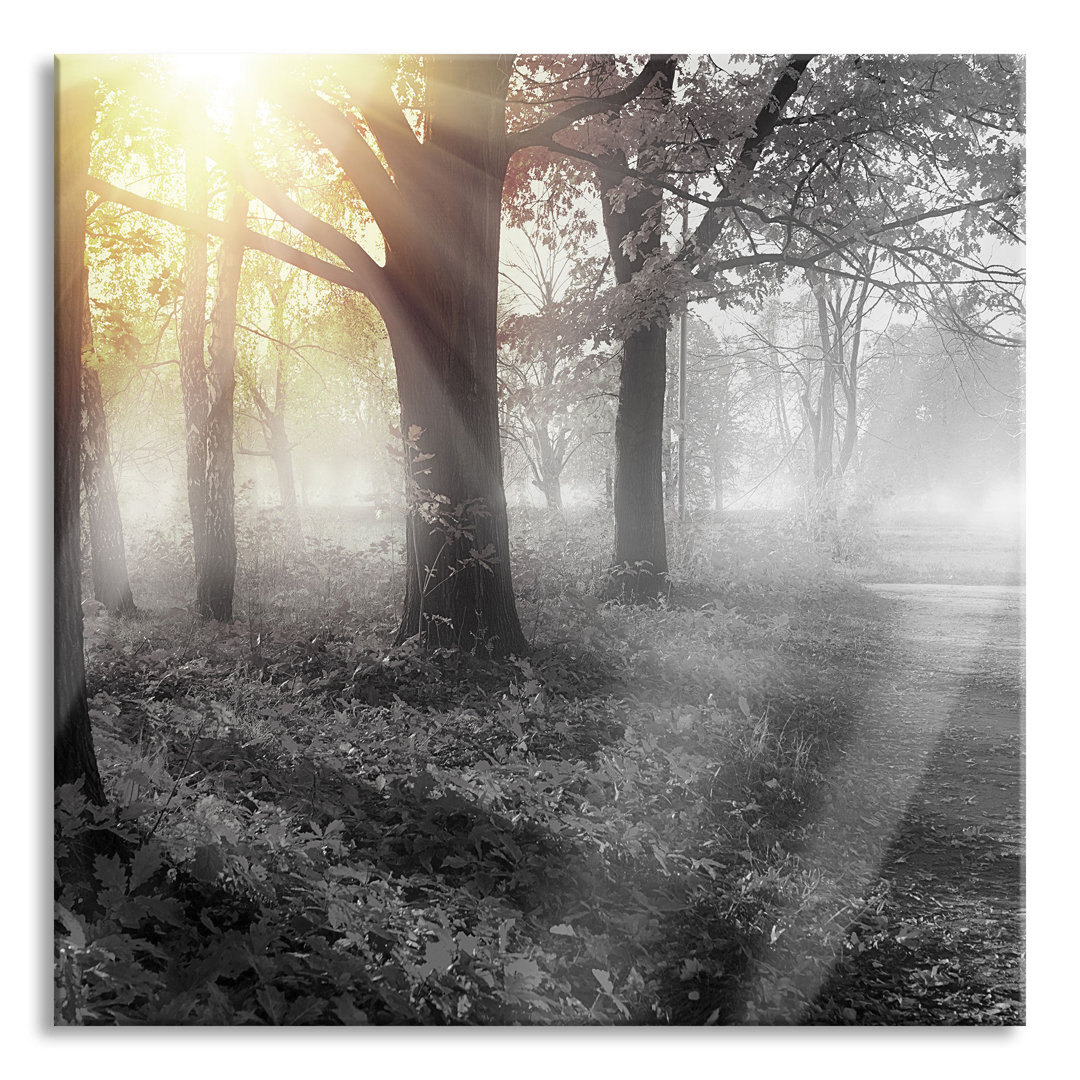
346,730
313,828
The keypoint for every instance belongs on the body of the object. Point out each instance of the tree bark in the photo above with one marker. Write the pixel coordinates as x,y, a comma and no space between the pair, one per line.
193,361
640,540
822,417
548,466
850,379
108,564
668,468
277,438
438,208
718,447
640,560
443,272
214,594
73,746
551,488
281,454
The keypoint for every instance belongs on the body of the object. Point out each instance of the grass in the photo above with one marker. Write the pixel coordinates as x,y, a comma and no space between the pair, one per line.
330,831
942,552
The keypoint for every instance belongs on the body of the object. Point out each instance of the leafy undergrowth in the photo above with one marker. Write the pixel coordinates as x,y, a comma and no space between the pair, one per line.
317,829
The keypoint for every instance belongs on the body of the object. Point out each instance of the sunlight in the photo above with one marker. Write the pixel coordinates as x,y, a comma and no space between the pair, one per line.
394,637
214,77
218,74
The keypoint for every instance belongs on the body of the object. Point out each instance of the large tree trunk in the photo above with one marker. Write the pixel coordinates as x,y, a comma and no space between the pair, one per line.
73,747
442,328
640,560
193,361
640,539
108,564
214,594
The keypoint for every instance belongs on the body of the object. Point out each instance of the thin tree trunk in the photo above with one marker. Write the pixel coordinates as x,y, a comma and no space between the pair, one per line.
73,746
277,440
281,454
667,459
682,411
193,362
717,447
279,450
782,424
851,384
215,586
108,563
826,407
822,502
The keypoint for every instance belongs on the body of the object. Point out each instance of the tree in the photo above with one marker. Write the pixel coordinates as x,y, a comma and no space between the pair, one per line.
270,414
108,564
214,588
942,411
135,287
717,397
436,196
73,747
635,157
634,226
841,308
192,357
814,164
554,376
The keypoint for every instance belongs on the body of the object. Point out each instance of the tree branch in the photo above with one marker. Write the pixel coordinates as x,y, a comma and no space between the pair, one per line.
372,95
355,156
540,133
359,280
708,229
268,192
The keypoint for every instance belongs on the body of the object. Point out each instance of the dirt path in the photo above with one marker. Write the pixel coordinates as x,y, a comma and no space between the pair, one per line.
924,830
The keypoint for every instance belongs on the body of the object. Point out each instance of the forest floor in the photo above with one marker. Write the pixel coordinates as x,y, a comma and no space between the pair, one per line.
780,797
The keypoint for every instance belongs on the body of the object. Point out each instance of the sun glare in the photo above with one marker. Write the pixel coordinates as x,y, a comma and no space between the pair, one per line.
215,75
